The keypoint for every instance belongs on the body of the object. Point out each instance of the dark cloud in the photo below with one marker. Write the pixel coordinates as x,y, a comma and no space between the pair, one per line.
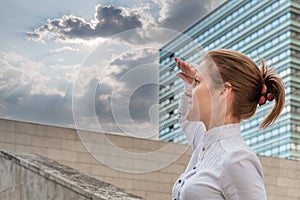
133,67
42,108
98,95
121,96
141,102
33,36
108,21
184,13
135,59
111,20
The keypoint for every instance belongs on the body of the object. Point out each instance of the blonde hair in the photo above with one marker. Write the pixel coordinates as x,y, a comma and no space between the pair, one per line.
247,80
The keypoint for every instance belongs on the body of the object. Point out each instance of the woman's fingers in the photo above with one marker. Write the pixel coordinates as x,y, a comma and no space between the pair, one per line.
185,67
179,63
184,77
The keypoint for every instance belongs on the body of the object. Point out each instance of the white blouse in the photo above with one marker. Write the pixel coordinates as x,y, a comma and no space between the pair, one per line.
222,166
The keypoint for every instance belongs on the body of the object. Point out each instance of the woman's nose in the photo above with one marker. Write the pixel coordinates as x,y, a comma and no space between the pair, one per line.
188,92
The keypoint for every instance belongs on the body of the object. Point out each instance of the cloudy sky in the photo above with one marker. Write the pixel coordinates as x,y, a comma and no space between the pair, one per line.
88,64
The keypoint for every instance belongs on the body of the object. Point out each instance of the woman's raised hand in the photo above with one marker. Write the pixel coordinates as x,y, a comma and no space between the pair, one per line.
187,73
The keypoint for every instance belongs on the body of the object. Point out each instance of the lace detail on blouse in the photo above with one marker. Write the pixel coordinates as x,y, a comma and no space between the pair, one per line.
213,157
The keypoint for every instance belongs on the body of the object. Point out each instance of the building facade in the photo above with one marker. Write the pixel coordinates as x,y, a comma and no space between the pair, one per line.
268,29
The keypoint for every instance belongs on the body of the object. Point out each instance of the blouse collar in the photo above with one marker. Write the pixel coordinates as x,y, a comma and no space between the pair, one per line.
221,132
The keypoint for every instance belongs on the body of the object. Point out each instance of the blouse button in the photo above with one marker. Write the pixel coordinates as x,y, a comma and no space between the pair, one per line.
179,181
194,167
203,149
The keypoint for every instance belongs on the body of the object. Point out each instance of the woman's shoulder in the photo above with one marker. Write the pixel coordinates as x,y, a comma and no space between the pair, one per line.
236,145
238,155
237,151
241,158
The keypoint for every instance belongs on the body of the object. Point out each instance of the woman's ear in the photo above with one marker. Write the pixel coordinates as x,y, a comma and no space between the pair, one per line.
228,88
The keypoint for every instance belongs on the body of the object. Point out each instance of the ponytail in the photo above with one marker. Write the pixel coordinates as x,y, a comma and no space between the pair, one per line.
276,87
251,84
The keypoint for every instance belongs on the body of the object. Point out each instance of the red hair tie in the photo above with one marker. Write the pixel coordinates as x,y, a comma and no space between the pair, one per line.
270,96
265,96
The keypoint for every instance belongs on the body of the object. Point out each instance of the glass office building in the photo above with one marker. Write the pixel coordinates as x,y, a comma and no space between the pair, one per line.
269,29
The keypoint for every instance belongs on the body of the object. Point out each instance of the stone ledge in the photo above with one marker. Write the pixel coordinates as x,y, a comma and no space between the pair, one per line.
68,177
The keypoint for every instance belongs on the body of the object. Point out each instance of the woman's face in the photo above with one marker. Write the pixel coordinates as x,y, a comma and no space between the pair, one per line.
206,102
199,100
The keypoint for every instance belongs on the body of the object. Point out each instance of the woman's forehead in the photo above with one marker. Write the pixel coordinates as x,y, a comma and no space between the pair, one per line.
208,71
203,68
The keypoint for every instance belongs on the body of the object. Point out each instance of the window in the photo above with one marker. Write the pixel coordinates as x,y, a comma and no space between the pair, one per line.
253,140
254,18
235,14
275,41
241,43
223,22
275,132
282,129
206,33
241,27
267,10
275,5
260,137
176,111
282,1
212,30
247,6
200,37
253,36
235,47
268,45
261,31
282,148
275,150
283,19
234,31
242,9
253,123
275,23
293,146
248,22
268,27
261,49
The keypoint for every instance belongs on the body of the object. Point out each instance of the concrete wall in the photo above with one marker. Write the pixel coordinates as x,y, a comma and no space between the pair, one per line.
149,168
25,176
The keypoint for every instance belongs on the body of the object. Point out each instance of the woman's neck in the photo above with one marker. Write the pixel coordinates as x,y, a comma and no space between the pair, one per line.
227,120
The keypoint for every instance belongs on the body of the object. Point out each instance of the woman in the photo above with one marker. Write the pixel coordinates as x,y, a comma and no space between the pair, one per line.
225,89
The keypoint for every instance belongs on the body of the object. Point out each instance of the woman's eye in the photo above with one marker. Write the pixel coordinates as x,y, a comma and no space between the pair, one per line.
196,81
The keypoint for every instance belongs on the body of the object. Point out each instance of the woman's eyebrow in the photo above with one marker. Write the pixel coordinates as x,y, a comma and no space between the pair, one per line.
199,72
